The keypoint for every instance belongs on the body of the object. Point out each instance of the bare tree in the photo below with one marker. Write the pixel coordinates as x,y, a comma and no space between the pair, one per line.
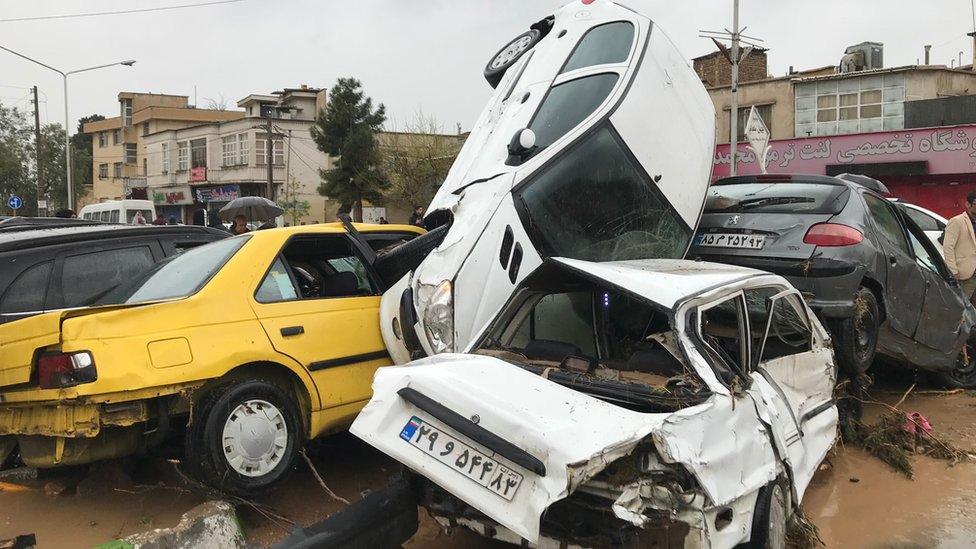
219,104
417,160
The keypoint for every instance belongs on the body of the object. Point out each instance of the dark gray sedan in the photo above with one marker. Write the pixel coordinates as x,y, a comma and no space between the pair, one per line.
867,270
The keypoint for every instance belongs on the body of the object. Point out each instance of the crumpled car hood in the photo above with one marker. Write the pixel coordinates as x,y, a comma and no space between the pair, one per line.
573,434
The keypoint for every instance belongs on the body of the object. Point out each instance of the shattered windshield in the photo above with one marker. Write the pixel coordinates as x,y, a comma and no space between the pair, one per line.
777,197
595,203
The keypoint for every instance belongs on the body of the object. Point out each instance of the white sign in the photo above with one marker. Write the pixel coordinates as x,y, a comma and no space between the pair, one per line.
758,136
42,204
373,215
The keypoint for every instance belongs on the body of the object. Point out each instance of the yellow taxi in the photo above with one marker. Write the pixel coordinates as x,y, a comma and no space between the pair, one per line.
246,346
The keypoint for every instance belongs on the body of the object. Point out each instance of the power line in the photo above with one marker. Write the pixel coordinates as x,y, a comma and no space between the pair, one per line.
100,13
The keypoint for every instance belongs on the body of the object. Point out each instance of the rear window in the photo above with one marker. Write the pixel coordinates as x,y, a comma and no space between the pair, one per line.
779,197
179,276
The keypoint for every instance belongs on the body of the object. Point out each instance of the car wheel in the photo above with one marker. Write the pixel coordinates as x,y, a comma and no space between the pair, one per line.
963,375
507,56
244,437
857,337
770,519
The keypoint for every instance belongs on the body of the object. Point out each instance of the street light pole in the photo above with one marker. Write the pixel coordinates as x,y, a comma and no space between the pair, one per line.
67,129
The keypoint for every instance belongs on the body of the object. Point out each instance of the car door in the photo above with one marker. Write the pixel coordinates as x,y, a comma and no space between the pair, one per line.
319,305
944,303
905,287
793,377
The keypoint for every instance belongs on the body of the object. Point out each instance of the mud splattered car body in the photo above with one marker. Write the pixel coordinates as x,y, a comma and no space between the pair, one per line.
619,403
617,168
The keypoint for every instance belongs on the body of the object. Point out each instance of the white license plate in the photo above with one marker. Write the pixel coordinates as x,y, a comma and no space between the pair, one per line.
461,457
722,240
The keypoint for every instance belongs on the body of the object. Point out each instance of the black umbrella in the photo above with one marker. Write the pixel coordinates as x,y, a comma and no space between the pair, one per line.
254,208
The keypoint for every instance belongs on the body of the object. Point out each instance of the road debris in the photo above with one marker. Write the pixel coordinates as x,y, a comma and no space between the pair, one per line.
210,524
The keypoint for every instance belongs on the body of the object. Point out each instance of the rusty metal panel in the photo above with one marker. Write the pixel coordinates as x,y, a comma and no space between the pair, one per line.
64,421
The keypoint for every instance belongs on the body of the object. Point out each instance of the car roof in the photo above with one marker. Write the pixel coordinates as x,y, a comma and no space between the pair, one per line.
842,180
336,227
666,282
48,236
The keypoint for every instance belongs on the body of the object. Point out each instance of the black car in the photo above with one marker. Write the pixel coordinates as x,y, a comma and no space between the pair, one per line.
70,264
868,270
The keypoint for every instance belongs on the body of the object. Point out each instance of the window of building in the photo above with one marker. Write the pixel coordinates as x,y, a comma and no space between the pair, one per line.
145,129
103,171
102,140
198,153
130,153
261,150
243,149
857,104
126,112
182,156
145,166
765,112
117,169
116,136
229,149
165,157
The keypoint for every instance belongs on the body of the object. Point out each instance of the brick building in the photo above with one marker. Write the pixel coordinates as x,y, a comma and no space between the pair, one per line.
715,70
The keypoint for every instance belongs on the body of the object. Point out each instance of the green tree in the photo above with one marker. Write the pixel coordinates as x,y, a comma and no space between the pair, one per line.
346,128
52,160
417,160
16,177
294,208
81,150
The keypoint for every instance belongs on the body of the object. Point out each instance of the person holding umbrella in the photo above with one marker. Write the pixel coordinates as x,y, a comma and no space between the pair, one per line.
240,225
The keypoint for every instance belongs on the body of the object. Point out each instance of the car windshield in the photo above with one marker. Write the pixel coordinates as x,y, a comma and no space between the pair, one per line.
596,203
780,197
179,276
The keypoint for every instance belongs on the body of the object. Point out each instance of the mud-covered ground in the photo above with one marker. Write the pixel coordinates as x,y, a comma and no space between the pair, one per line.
855,500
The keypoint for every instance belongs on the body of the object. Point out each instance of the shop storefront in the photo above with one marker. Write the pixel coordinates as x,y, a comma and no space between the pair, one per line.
171,201
931,167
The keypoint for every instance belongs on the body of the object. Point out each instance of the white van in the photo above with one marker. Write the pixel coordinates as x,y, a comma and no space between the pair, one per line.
118,211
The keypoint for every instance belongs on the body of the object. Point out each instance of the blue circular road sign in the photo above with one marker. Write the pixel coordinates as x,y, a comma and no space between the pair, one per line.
15,202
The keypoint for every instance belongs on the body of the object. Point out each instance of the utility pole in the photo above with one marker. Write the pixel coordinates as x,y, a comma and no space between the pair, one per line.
736,56
41,202
269,146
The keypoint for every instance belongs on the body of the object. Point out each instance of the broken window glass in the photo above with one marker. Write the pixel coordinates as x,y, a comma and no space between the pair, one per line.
721,328
789,333
569,104
610,43
595,203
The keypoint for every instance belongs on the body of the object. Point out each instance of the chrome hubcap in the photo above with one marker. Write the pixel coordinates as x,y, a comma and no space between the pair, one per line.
255,437
512,51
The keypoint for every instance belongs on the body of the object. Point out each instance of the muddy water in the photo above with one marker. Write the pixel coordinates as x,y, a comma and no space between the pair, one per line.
881,509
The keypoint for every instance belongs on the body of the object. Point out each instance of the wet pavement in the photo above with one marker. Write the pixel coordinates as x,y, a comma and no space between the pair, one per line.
856,501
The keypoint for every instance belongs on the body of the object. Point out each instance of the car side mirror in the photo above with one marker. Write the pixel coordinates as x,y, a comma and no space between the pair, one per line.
521,145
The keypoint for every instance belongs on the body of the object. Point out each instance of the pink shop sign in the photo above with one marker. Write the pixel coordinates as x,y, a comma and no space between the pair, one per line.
947,150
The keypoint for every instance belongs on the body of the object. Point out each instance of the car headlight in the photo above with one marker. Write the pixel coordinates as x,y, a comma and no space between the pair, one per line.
439,317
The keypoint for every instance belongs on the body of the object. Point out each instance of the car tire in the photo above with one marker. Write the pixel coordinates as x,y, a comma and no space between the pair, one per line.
857,336
244,436
963,375
509,55
770,519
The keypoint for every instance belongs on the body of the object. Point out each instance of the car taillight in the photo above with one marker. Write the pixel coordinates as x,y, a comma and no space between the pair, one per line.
58,370
832,235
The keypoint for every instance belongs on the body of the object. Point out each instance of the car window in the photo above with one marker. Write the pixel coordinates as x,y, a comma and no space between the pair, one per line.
610,43
324,266
131,214
596,203
922,255
562,317
114,218
757,307
722,329
178,276
105,216
277,285
789,330
567,105
887,223
777,197
923,220
86,276
29,291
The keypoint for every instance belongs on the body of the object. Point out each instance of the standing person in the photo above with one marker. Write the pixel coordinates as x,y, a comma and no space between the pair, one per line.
383,221
959,246
417,217
240,225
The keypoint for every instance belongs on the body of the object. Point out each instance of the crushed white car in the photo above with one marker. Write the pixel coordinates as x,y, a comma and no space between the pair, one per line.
629,403
596,145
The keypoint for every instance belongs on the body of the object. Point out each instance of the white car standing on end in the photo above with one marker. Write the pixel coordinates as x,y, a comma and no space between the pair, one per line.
640,403
597,145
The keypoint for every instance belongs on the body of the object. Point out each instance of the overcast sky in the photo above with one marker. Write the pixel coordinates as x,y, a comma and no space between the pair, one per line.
409,54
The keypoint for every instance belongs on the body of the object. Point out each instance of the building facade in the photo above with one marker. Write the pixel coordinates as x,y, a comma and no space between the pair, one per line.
119,165
912,127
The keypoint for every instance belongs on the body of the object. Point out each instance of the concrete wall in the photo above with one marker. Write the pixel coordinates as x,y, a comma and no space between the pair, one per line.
775,92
